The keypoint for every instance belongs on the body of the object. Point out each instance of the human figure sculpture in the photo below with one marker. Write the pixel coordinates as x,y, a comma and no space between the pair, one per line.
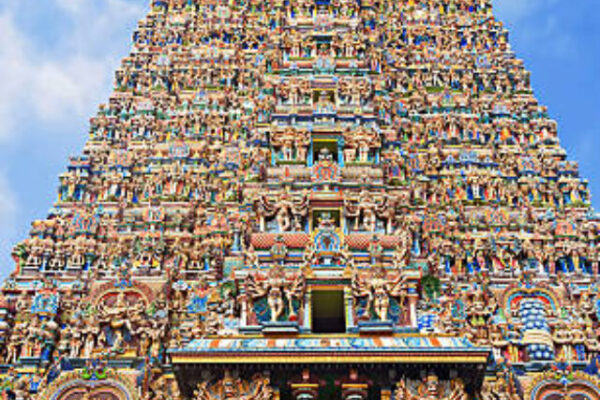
377,287
279,290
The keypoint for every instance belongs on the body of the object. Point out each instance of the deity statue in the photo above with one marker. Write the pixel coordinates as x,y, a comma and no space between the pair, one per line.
401,391
254,152
280,290
279,250
258,388
378,287
503,388
123,316
363,209
288,212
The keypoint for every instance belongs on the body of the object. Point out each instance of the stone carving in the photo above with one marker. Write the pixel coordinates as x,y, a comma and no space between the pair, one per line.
391,152
430,388
235,388
283,293
378,287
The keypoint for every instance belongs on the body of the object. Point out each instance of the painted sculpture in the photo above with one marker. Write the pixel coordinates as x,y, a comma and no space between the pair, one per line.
312,199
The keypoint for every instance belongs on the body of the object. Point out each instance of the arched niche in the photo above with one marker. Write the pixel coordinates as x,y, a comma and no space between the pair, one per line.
73,387
84,393
579,388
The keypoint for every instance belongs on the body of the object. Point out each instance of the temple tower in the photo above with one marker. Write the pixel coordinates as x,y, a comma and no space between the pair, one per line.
312,199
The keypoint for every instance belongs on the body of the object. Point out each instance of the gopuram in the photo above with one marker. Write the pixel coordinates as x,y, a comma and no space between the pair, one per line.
312,200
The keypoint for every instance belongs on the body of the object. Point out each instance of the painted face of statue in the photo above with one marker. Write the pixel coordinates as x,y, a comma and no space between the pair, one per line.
325,155
432,385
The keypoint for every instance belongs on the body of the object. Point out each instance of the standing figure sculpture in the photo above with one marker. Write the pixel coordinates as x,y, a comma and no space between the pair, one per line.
280,291
378,287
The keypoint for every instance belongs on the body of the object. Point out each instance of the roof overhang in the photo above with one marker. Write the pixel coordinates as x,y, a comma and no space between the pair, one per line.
405,349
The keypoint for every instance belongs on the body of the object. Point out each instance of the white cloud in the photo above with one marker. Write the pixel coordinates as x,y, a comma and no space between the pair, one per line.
72,6
12,59
65,78
61,89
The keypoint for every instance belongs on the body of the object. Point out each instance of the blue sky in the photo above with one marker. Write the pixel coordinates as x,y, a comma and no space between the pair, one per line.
57,59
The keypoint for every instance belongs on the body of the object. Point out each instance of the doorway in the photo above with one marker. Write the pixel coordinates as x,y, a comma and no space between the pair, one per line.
328,311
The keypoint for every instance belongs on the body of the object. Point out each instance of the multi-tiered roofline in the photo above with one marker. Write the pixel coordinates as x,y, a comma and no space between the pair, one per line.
309,199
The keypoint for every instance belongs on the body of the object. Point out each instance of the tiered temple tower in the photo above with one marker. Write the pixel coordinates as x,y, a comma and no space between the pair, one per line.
312,199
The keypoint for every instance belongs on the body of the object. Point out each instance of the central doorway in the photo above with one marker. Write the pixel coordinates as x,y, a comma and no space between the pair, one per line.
328,311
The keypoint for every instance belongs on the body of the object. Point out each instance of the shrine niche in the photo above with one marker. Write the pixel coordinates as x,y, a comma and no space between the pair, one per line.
124,319
534,308
325,170
72,386
116,314
326,239
105,393
324,101
570,385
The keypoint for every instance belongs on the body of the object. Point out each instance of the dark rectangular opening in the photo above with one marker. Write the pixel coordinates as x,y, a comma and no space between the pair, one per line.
323,149
328,311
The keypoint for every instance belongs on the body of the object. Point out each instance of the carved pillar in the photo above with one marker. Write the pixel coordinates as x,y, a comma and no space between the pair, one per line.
243,300
307,320
236,241
413,297
340,145
349,307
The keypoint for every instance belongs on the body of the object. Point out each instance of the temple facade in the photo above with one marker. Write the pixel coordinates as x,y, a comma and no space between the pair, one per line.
312,200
